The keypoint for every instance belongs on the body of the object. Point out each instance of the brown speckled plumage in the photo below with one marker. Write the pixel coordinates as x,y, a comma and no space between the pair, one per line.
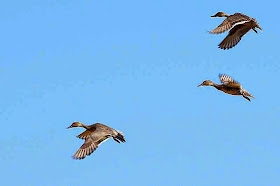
239,24
229,86
94,135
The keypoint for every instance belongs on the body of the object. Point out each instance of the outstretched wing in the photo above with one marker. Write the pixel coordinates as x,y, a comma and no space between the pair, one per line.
224,26
234,36
230,22
227,80
86,149
89,146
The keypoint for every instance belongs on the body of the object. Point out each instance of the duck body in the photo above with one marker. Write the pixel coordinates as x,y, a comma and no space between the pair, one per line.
228,86
94,135
228,90
240,24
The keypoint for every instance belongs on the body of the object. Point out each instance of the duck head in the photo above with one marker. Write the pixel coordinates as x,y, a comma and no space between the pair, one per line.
75,124
220,14
206,83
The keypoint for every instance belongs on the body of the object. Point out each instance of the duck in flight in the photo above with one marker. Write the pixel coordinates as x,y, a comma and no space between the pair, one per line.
94,135
228,86
239,24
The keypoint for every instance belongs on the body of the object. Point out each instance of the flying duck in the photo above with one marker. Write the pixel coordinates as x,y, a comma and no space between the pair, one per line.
239,24
228,86
94,135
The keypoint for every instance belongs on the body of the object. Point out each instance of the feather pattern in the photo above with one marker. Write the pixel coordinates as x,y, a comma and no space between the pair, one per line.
227,80
229,86
239,25
230,22
86,133
86,149
234,36
246,93
94,136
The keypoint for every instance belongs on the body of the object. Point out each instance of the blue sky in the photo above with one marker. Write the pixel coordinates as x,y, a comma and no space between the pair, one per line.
135,65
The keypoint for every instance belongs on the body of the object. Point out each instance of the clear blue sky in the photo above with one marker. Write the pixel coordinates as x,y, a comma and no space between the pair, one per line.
135,65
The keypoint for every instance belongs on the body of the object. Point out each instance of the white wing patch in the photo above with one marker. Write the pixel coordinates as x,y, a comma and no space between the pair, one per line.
240,23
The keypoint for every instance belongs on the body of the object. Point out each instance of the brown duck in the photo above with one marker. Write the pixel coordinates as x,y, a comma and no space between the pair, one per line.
94,135
228,86
239,24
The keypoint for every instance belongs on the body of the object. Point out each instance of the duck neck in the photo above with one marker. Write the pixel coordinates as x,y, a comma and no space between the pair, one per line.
216,86
85,126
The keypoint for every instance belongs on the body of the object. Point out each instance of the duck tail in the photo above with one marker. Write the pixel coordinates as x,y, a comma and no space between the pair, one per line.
119,137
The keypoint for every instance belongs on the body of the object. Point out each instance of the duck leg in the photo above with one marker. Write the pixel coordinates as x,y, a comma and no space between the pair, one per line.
246,98
255,30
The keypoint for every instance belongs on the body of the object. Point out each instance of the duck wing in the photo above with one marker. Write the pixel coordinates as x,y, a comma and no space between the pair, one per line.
86,149
90,145
228,81
234,36
87,133
230,22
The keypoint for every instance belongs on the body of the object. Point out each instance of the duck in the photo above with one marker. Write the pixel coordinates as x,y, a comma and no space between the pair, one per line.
229,86
94,135
239,25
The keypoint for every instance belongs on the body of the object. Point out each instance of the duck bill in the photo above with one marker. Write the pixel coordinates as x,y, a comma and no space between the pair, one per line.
69,127
199,85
